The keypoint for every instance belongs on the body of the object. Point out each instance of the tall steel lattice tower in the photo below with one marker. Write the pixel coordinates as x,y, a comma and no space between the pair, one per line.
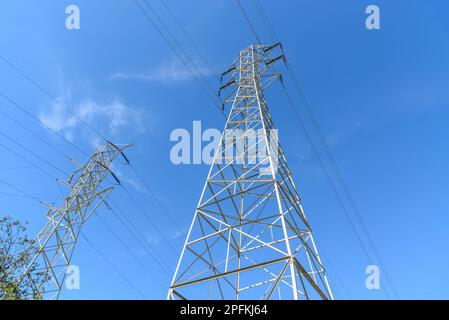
249,238
46,260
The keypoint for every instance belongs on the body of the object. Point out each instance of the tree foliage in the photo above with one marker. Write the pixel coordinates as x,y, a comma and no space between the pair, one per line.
15,251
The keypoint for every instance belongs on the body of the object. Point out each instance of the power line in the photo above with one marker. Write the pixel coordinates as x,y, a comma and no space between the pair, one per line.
87,125
32,152
148,271
29,114
337,276
146,216
45,171
41,202
12,195
189,38
340,178
180,47
83,123
98,252
14,168
24,193
332,184
32,116
185,64
35,135
172,219
343,184
328,151
334,188
48,94
153,23
265,19
248,21
28,161
140,238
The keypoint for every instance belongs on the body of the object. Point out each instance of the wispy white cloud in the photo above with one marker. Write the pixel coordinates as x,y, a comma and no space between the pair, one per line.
172,72
127,179
303,151
111,118
152,238
179,234
336,137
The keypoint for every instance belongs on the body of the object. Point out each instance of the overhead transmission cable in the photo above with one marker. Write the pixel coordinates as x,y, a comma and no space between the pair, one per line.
26,194
94,130
23,74
32,116
139,261
328,151
158,201
27,160
134,231
48,94
326,147
147,217
172,47
190,39
23,109
33,153
52,176
310,140
41,202
98,252
331,182
243,12
248,21
181,48
35,135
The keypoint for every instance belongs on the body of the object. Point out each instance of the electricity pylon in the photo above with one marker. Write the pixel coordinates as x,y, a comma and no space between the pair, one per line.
44,263
249,238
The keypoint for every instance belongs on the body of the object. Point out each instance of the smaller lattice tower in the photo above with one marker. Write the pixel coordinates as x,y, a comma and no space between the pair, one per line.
45,262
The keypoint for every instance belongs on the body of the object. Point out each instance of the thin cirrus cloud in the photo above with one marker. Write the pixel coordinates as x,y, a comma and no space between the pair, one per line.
124,177
112,118
167,74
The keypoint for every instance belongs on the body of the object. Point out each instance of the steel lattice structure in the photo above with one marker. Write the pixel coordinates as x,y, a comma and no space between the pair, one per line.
48,256
249,238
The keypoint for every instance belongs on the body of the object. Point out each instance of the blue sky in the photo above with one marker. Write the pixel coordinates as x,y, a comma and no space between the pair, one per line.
378,95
